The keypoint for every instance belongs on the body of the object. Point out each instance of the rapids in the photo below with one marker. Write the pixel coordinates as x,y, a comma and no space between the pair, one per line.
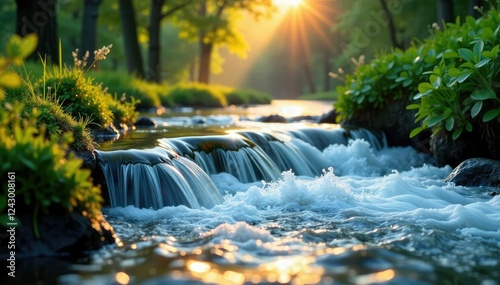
287,205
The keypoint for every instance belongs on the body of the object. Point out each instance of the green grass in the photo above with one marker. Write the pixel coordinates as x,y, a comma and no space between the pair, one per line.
320,96
53,117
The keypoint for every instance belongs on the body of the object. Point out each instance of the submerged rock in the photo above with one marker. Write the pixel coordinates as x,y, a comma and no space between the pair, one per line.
475,172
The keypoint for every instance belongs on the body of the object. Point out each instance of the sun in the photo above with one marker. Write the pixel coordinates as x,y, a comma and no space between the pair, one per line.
287,3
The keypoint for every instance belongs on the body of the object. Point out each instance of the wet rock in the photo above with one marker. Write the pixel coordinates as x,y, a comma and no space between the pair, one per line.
145,122
475,172
105,134
198,120
448,151
273,119
305,118
396,122
328,118
88,157
61,233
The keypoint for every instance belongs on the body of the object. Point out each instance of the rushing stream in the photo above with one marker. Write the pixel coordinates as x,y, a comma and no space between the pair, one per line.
294,203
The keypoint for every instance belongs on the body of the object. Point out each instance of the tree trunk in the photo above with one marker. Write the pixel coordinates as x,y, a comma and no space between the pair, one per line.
153,70
445,12
390,22
205,51
132,49
327,68
37,16
205,58
309,77
89,28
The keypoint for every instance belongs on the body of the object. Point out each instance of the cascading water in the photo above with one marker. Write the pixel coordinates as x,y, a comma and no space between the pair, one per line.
156,178
177,172
301,205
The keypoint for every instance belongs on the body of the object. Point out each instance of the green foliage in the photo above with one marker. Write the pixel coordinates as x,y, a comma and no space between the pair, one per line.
80,97
17,50
388,77
320,96
463,90
145,94
198,95
247,96
213,96
46,176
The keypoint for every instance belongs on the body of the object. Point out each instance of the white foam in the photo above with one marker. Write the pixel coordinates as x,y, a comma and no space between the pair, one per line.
358,158
241,232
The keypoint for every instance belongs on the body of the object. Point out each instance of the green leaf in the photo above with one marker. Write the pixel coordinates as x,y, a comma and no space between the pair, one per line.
407,82
464,76
487,34
466,54
366,88
434,120
468,126
412,107
450,54
28,163
492,54
490,115
476,108
457,133
450,123
416,131
425,87
483,94
452,81
436,82
455,72
478,48
482,63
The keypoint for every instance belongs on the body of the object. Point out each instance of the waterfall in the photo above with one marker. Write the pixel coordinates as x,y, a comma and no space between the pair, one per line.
155,178
232,154
177,171
321,138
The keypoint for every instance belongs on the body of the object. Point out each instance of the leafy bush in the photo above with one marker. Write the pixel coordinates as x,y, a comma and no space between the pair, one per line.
46,175
388,77
463,90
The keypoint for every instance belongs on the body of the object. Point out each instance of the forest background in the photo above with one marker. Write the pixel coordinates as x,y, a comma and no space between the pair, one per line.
285,48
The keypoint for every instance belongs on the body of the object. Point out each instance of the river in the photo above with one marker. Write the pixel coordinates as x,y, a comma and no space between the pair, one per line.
372,215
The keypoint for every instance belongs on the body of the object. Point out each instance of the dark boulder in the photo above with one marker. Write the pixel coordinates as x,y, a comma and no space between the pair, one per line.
61,233
476,172
396,122
105,134
273,119
328,118
88,157
448,151
145,122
